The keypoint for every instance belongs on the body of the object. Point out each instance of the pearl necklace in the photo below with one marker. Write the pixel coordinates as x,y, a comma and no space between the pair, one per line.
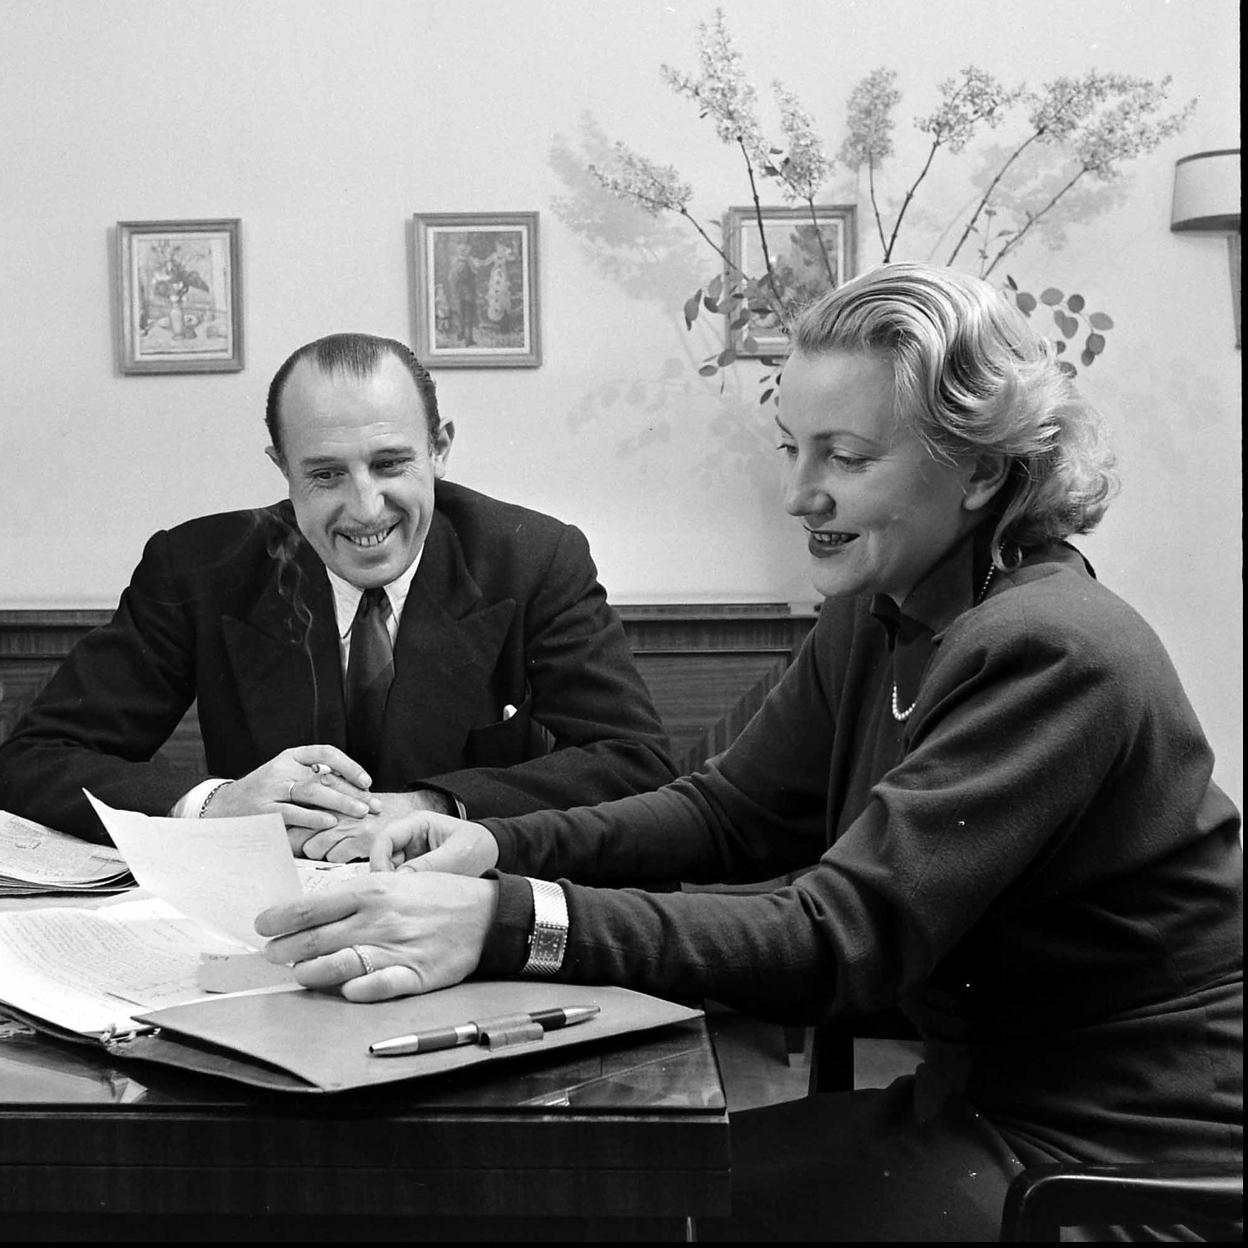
898,714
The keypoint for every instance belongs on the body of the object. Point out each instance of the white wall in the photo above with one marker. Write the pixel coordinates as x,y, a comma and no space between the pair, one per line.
324,124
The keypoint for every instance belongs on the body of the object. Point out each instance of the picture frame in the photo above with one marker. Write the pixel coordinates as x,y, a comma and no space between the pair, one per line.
179,296
475,289
799,264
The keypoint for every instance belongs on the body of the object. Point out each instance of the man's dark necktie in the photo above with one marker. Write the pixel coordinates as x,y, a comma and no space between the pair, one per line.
370,669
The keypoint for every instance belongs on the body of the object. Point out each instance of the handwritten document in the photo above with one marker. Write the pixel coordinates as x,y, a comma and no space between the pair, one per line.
90,970
222,872
35,858
314,876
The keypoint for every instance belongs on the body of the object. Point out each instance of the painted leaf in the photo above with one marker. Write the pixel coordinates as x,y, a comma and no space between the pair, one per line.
1099,320
715,289
1095,343
1075,303
726,356
692,304
1059,347
1067,324
766,394
1051,295
1026,303
708,370
1068,368
1088,357
1010,282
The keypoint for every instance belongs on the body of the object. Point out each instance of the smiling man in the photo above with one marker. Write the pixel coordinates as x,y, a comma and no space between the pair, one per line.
383,641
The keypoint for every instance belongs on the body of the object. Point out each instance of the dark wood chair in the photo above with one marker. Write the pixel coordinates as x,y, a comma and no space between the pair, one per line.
832,1046
1043,1199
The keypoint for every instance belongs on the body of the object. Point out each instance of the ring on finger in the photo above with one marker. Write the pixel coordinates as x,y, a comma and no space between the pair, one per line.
290,791
365,961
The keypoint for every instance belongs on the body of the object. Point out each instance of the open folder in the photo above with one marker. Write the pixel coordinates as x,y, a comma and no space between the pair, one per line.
317,1042
298,1040
77,974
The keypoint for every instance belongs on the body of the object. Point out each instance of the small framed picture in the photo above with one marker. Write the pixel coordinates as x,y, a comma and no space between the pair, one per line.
475,286
808,257
179,296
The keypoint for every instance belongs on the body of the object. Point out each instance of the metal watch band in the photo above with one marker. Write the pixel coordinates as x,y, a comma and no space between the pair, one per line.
549,938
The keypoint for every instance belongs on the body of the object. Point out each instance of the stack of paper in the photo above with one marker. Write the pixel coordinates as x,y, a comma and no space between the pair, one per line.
35,859
90,971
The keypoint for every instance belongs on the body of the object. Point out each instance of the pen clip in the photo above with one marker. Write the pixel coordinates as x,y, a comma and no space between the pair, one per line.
498,1033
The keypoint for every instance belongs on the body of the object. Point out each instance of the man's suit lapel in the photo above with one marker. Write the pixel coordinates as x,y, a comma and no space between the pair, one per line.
445,653
286,662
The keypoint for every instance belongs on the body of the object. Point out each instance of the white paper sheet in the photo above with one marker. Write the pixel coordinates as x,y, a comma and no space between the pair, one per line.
222,872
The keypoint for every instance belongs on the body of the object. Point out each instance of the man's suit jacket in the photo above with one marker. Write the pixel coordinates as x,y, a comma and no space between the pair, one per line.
236,610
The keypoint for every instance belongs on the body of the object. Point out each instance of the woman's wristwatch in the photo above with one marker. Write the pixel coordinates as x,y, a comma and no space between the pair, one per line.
549,938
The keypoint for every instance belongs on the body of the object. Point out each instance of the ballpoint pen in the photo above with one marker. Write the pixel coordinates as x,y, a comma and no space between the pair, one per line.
472,1032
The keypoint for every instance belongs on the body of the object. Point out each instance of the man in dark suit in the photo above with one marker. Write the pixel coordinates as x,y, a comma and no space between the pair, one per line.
382,642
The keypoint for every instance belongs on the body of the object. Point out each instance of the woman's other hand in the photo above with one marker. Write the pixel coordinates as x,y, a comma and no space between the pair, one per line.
425,841
381,936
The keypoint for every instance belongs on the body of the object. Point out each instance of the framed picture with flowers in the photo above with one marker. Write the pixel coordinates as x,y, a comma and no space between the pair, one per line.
475,289
179,296
787,261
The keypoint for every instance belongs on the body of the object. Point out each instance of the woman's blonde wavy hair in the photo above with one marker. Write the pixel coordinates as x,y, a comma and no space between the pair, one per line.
971,376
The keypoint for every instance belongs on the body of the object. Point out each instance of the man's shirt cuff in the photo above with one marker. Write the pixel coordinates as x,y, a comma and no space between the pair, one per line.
187,806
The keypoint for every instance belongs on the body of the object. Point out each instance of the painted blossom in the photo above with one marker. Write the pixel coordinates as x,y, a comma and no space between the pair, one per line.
722,90
804,168
654,187
870,121
1124,131
976,97
1064,104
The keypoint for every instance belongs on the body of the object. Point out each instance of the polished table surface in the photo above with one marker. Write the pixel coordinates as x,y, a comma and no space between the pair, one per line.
614,1139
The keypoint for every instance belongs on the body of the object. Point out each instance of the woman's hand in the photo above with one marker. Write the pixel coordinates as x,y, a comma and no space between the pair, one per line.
352,838
424,841
381,936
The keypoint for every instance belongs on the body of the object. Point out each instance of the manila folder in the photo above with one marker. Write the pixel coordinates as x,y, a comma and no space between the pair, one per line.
322,1039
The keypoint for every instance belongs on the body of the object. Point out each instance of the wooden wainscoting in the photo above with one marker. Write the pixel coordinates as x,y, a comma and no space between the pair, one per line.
708,667
32,645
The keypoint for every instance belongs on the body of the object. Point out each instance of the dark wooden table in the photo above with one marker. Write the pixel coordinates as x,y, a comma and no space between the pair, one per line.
614,1140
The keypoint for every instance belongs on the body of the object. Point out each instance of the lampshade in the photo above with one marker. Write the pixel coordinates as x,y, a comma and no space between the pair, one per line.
1206,192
